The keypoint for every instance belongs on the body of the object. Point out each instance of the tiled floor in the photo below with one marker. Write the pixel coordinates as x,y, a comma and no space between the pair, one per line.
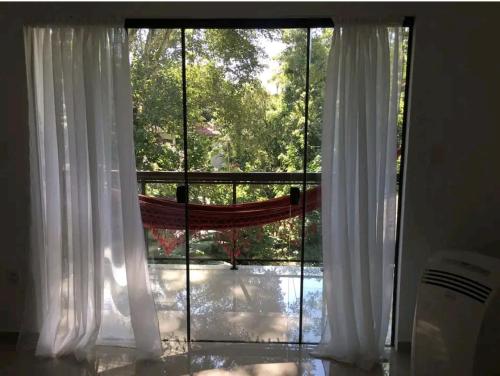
254,303
202,359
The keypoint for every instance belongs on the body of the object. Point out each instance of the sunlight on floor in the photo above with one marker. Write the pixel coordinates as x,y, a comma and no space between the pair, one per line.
272,369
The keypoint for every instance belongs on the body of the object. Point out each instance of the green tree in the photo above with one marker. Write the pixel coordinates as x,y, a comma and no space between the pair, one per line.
231,117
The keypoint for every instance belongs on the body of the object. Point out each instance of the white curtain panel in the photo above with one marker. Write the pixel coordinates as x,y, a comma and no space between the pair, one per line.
359,190
88,253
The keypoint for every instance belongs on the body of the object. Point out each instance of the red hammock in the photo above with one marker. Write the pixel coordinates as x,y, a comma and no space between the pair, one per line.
165,219
163,213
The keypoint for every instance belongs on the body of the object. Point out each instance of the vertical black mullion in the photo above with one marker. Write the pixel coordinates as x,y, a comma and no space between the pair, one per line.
304,183
400,183
186,182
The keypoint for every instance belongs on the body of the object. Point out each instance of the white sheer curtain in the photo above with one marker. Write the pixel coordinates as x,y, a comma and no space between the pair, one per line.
359,190
88,256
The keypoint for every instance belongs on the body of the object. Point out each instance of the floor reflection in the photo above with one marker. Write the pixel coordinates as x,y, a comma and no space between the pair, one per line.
253,303
204,359
256,303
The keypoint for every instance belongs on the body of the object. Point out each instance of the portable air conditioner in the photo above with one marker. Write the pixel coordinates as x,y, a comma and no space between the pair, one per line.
457,318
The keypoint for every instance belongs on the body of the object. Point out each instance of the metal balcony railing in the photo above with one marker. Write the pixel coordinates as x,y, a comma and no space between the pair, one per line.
228,177
234,179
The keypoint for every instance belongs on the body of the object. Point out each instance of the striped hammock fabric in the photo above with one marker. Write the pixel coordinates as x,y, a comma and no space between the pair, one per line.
163,213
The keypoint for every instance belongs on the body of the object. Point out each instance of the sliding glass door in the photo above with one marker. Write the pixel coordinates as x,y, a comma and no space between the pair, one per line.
228,117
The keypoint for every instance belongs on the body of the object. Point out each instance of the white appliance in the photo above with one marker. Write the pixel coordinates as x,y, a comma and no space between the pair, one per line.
456,329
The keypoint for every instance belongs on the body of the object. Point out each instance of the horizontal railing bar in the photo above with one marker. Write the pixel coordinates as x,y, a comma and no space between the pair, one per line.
165,260
227,177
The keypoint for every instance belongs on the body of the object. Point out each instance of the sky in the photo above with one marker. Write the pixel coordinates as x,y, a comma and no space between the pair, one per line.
272,48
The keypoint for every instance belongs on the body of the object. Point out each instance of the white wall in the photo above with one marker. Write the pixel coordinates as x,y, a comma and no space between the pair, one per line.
452,196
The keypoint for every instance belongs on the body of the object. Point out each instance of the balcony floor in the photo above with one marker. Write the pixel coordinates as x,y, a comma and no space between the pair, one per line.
253,303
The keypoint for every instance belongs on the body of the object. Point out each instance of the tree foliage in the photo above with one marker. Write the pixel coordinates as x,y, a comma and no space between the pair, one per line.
235,124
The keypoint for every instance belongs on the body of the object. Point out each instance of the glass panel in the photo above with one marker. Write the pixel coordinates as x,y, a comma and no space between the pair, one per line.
163,190
399,134
280,240
313,307
253,303
155,69
211,194
210,244
246,93
313,241
321,40
244,118
256,302
165,243
168,284
167,270
399,141
245,113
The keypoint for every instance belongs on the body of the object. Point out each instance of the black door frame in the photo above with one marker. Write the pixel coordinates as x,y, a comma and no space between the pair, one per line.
281,23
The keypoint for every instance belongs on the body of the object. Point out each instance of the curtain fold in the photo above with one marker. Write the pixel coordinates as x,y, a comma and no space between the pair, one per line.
359,190
90,277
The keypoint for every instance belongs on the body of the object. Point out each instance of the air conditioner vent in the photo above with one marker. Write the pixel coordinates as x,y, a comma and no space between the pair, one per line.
456,330
455,282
